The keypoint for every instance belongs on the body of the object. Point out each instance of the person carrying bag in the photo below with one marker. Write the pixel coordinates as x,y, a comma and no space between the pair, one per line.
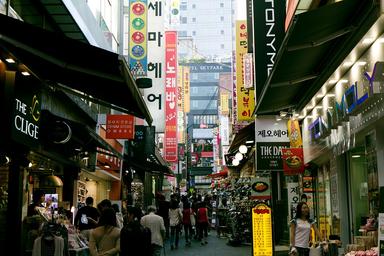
300,233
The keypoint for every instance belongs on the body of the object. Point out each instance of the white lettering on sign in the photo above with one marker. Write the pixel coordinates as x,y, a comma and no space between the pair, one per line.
270,36
22,124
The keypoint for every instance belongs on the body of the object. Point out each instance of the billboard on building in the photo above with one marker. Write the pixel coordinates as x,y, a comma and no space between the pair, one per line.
155,96
170,136
137,55
245,97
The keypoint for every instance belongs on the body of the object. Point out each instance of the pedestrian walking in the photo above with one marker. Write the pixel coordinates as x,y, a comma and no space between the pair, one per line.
300,231
135,239
156,224
202,221
188,220
175,221
105,239
87,218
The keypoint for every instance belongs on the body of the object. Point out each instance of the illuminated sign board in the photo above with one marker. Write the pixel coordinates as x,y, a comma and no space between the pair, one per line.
351,102
262,244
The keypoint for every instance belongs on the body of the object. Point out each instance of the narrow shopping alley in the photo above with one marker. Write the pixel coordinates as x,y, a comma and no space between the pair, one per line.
216,246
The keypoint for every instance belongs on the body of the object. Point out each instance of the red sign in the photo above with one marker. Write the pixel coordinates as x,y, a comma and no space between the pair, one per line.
170,136
293,161
120,127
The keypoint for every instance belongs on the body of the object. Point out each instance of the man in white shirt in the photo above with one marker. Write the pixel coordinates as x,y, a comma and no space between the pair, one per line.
156,224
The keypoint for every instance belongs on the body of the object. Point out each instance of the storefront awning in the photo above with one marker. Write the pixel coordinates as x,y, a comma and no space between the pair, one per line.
245,134
91,72
218,175
155,164
315,45
70,137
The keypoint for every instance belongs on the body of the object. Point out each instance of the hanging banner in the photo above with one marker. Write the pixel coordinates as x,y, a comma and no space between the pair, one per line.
294,133
180,106
120,127
245,97
138,38
186,87
269,19
170,136
248,70
293,161
262,244
154,97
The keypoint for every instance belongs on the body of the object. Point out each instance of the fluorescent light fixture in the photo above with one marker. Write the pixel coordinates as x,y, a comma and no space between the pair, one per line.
320,96
25,73
296,114
10,60
301,117
347,63
278,118
318,107
368,40
360,63
332,81
249,142
356,156
343,81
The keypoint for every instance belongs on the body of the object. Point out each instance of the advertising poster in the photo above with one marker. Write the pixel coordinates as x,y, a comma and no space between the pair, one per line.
154,97
293,198
120,127
262,243
138,38
293,161
261,188
170,136
186,85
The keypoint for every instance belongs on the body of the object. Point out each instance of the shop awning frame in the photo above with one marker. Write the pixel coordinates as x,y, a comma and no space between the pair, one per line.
85,70
245,134
314,46
82,136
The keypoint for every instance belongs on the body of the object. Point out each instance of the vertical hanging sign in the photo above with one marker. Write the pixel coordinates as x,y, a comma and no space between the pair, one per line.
245,97
268,23
138,37
170,136
154,97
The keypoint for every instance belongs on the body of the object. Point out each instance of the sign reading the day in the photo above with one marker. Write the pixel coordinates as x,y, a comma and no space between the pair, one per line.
262,230
120,127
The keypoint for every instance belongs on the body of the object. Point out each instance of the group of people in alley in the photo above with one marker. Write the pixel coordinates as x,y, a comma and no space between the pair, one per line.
133,232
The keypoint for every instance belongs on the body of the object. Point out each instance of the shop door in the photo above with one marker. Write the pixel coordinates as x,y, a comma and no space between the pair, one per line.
358,186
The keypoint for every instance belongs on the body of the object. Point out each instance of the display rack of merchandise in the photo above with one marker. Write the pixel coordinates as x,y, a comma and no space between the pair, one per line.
138,192
81,191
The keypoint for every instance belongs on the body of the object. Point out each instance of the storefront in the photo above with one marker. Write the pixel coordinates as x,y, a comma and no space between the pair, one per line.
342,135
47,132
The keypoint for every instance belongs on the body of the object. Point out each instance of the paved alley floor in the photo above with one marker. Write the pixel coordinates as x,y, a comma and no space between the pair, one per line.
215,247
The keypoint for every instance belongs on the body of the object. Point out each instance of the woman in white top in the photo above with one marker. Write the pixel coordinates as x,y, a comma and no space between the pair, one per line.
175,220
300,231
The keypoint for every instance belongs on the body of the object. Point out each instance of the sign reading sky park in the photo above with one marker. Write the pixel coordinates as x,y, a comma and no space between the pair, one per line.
138,37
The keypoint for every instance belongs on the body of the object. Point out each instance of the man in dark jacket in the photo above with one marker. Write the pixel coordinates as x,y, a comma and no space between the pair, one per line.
135,239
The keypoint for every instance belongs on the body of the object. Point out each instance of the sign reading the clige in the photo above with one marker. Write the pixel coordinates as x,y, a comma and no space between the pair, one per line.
262,230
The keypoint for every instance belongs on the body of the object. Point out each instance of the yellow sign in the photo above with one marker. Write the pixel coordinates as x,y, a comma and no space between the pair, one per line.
245,97
294,133
262,230
224,103
186,82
